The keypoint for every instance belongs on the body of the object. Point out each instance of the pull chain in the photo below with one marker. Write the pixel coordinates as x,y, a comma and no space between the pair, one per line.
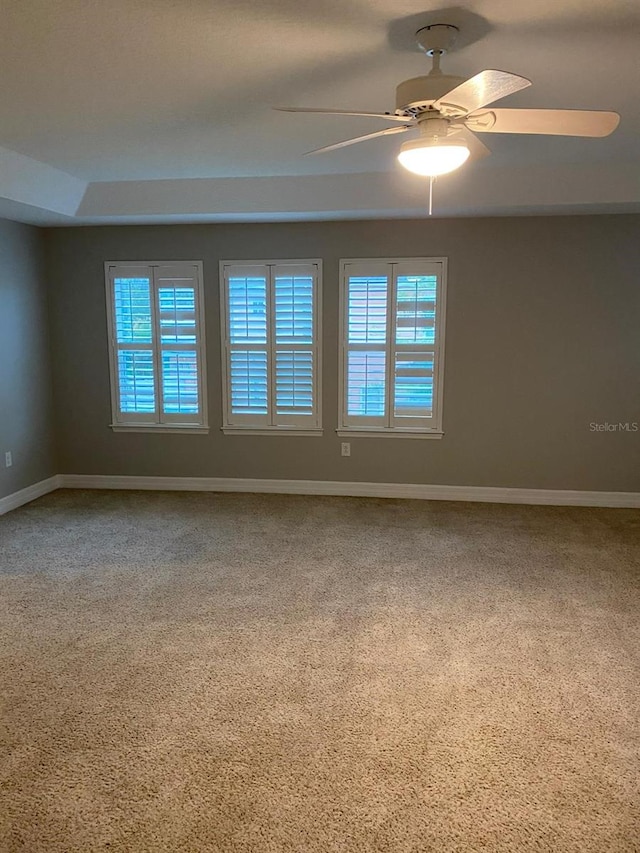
431,180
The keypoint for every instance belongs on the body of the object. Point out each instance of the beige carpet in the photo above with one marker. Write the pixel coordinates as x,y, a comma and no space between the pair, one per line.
202,672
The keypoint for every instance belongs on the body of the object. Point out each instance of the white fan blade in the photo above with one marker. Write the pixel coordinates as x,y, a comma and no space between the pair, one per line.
386,132
477,149
386,116
485,88
553,122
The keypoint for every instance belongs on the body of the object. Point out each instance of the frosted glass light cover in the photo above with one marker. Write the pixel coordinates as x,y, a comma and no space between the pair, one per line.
438,158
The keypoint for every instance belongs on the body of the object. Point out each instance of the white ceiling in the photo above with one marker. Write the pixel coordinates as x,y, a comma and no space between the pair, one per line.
159,110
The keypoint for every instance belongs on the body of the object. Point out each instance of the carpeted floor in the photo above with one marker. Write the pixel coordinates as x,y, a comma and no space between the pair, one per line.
204,672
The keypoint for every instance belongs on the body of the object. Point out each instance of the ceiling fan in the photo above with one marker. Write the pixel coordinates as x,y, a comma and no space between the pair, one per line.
448,111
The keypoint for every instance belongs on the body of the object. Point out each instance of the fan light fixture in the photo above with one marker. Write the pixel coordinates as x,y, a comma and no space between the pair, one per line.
433,157
439,106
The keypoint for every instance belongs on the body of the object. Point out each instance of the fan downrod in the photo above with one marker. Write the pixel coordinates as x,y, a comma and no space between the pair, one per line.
415,96
437,39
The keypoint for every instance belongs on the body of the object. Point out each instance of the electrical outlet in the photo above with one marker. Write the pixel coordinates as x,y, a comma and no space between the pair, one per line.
8,459
345,448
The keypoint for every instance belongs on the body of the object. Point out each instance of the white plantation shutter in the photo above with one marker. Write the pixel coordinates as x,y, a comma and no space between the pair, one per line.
367,333
294,384
156,344
249,389
413,387
392,345
270,340
247,349
136,384
180,344
414,342
366,386
295,350
131,306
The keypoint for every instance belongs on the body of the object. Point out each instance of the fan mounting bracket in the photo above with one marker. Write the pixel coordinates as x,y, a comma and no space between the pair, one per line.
437,39
481,121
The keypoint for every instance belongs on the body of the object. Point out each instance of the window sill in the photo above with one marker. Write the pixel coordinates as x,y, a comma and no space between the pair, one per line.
228,430
164,428
388,433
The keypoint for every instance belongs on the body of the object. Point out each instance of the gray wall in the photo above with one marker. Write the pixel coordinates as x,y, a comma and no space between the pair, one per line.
543,338
26,419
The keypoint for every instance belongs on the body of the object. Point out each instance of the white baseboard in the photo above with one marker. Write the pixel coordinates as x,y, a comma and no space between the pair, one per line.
485,494
491,494
24,496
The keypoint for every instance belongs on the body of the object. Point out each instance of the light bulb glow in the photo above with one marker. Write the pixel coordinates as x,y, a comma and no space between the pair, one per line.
433,157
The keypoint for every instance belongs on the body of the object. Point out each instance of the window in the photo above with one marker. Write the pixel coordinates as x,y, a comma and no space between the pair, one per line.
271,350
156,344
392,334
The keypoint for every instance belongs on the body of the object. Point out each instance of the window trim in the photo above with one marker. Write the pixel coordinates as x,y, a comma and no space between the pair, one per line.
146,423
361,430
266,429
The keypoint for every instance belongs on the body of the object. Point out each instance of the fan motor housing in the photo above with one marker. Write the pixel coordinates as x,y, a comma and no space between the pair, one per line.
417,94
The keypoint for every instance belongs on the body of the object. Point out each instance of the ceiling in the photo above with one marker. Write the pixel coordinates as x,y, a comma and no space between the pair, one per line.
160,110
